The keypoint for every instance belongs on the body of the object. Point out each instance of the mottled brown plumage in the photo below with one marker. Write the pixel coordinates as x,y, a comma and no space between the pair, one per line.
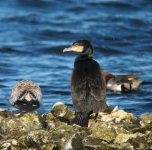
26,95
88,86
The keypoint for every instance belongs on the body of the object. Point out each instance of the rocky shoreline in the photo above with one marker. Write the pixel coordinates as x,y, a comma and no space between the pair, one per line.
114,129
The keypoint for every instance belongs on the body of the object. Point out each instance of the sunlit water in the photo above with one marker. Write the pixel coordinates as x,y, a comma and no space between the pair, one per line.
33,34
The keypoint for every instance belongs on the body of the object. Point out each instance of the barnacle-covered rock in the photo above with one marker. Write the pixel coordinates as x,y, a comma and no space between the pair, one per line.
122,115
40,139
74,143
111,130
62,112
17,125
92,142
146,118
103,131
123,138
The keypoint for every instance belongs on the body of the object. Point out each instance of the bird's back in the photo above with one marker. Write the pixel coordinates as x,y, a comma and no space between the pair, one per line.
88,88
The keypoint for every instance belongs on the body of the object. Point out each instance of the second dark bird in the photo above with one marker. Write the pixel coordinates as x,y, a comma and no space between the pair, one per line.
88,86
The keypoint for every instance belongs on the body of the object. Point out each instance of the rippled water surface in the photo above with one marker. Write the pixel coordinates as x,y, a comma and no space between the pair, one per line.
34,32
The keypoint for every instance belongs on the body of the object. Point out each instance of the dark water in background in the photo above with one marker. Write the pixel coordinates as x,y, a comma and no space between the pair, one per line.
34,32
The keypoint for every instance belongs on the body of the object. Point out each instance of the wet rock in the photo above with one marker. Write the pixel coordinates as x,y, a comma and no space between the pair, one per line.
33,120
20,125
123,138
122,115
54,130
40,139
9,144
146,118
102,131
131,141
5,146
126,146
69,135
116,116
50,120
62,112
13,127
91,142
149,137
107,118
74,143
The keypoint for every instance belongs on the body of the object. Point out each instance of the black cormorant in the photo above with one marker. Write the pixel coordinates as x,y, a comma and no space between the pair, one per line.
26,95
88,86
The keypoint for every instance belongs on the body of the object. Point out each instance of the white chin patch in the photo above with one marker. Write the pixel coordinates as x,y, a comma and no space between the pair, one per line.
114,87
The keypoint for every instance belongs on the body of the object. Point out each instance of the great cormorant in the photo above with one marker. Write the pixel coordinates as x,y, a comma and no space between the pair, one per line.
88,86
26,95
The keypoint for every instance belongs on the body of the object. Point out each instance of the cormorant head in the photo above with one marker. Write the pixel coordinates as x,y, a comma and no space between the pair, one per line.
81,46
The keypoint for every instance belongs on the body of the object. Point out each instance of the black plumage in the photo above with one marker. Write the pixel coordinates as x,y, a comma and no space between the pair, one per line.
88,86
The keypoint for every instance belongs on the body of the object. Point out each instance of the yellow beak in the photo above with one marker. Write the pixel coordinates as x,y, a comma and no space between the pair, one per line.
76,48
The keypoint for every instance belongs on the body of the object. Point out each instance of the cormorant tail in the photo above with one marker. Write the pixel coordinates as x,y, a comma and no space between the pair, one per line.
99,106
81,118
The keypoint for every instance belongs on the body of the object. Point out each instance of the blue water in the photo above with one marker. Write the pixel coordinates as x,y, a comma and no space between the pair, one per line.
34,32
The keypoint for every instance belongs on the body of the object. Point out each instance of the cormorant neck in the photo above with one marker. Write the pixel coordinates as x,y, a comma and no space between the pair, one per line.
82,57
88,53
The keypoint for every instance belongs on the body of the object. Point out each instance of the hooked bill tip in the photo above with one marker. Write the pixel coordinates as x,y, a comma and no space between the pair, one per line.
66,50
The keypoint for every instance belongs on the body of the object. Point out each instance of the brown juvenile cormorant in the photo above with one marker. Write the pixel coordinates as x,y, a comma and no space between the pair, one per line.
122,83
26,95
88,86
